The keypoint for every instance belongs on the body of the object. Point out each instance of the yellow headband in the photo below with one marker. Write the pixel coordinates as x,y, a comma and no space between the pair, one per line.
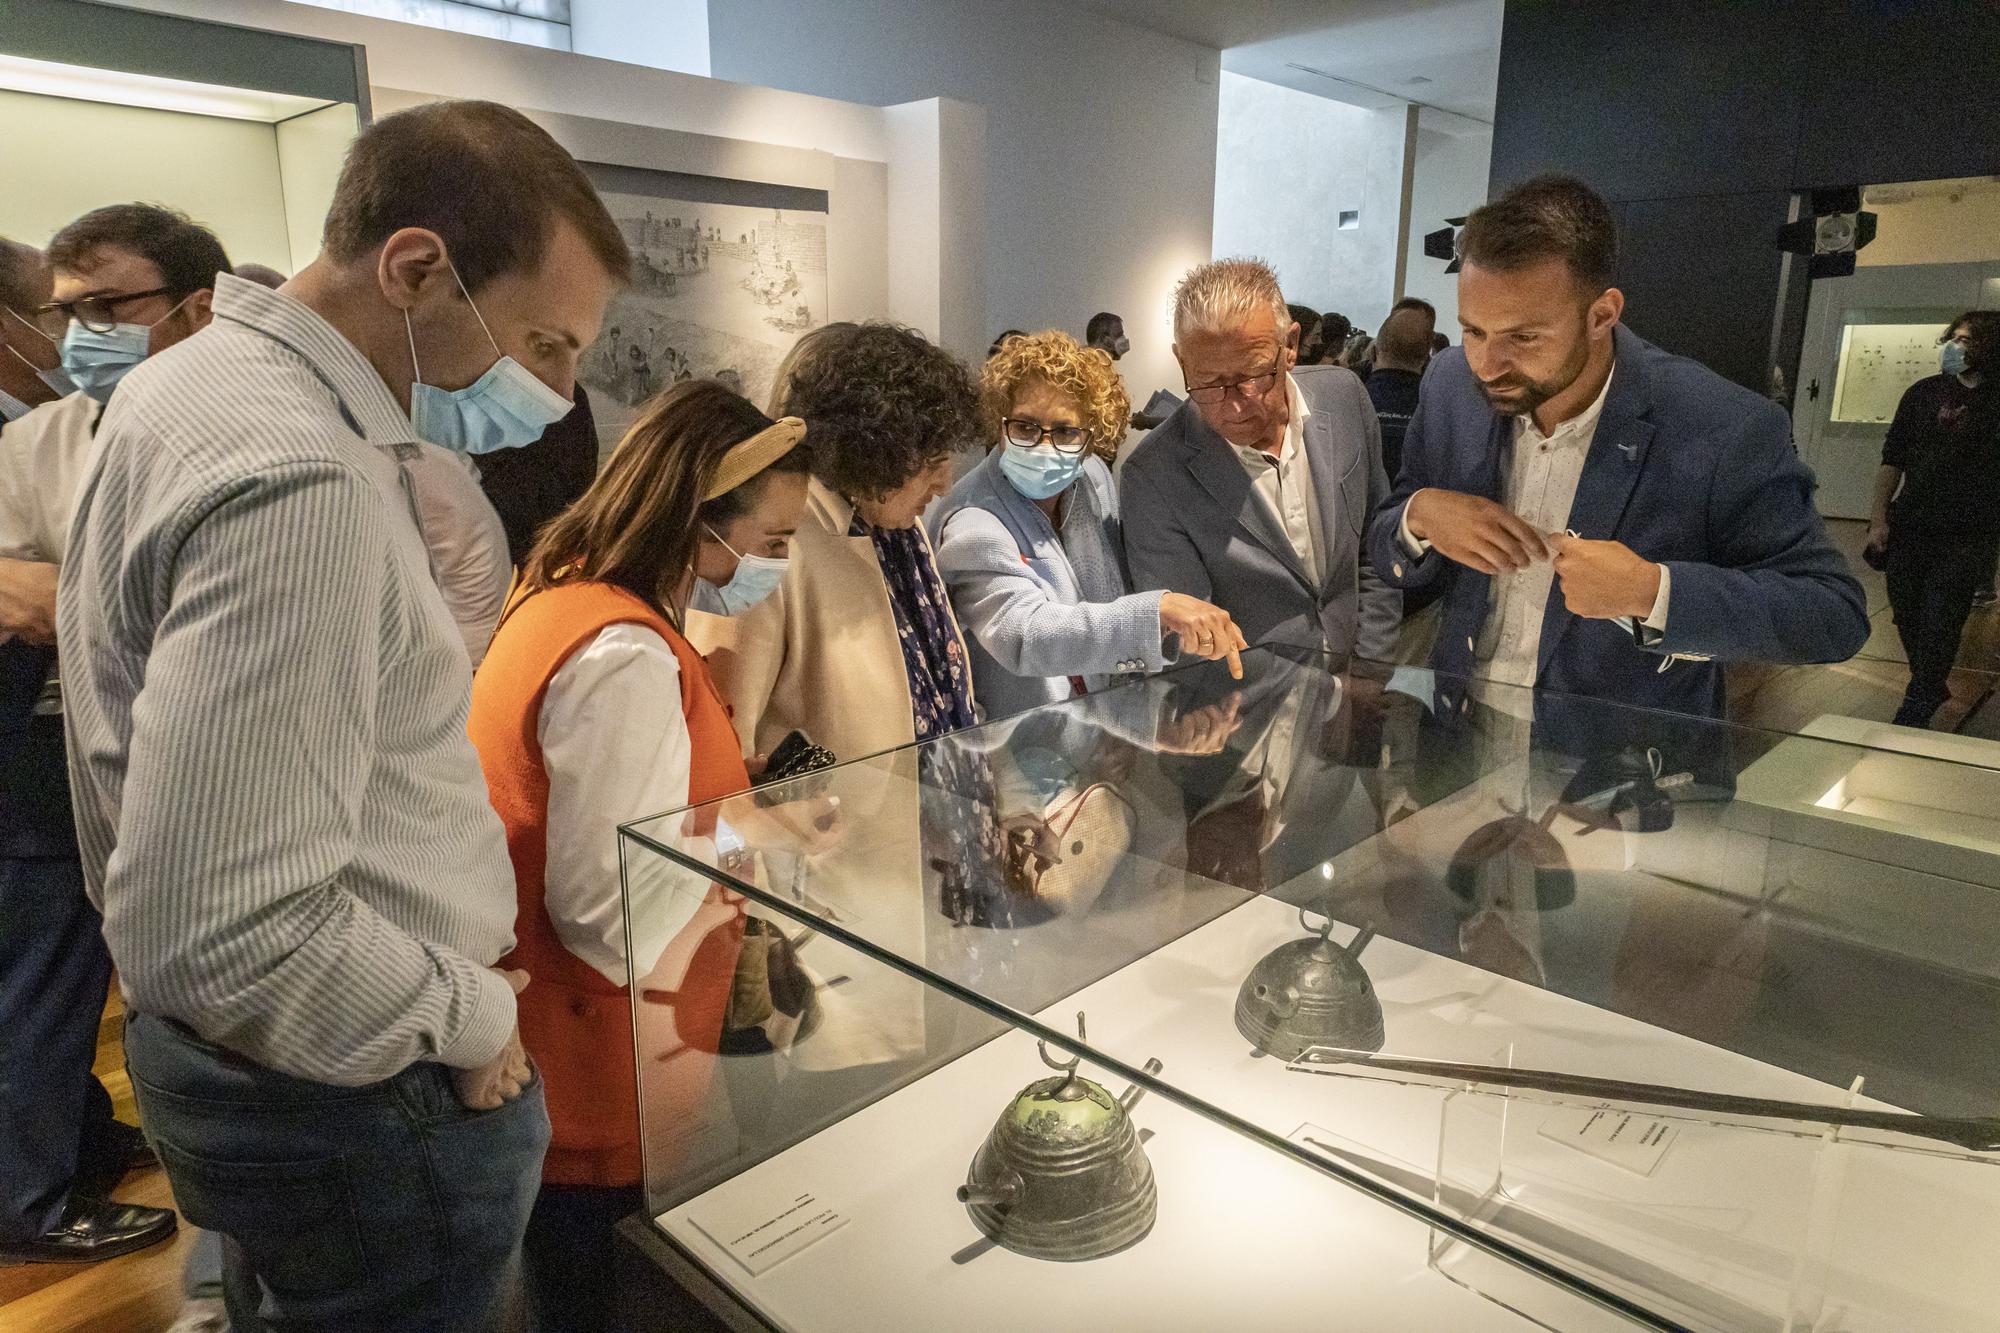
749,457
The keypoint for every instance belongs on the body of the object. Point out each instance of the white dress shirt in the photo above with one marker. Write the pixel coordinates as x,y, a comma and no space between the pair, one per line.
463,539
1283,482
616,748
42,457
1540,488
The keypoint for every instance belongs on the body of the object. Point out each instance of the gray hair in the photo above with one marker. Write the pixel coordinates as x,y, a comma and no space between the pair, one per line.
1224,293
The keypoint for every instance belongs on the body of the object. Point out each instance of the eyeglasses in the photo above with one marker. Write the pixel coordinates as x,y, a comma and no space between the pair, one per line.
1251,387
1066,439
98,313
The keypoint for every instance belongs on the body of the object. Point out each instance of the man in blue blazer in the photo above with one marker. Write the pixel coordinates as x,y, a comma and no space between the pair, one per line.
1255,494
1617,521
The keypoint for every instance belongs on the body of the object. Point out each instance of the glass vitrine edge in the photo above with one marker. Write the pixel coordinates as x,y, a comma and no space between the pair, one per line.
1381,1193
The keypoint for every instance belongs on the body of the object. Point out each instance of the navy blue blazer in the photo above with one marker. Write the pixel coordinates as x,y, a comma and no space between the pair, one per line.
1687,469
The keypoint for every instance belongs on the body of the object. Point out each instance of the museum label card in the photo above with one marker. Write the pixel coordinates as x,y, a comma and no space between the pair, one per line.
1622,1138
761,1229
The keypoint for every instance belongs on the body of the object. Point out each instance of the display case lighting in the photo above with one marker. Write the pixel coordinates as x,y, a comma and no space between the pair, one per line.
122,88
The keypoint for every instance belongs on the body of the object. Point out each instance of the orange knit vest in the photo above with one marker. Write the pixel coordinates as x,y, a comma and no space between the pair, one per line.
577,1025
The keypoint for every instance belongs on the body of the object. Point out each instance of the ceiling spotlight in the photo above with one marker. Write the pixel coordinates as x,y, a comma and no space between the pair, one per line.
1829,238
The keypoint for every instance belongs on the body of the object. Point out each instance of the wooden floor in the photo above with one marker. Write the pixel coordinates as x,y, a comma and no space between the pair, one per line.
140,1293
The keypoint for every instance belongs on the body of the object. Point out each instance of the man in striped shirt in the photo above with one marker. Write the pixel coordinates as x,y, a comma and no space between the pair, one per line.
280,816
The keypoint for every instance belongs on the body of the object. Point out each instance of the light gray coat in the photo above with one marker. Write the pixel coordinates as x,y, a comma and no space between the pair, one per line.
1039,607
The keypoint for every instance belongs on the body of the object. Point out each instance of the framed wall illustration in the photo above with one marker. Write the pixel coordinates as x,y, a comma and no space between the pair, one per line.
726,275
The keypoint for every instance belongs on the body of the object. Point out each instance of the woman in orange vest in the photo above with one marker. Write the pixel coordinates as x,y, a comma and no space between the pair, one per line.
589,711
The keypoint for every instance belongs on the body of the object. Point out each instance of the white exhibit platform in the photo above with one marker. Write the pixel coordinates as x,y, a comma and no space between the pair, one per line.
1245,1232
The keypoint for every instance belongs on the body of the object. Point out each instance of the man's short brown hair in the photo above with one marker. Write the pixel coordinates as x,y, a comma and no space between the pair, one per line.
1549,217
484,177
187,254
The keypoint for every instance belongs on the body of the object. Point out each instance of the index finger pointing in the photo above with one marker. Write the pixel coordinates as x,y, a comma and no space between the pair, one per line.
1235,664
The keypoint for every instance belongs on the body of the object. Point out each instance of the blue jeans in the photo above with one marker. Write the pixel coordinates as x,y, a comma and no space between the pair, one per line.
384,1207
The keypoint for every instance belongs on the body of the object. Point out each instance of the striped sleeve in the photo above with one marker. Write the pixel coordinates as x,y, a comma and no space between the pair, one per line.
234,913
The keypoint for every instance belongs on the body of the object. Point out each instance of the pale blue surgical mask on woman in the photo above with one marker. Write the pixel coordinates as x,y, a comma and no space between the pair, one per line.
756,577
1038,471
97,361
505,408
1951,357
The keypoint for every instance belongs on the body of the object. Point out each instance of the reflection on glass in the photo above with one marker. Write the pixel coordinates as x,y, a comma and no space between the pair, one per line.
1408,868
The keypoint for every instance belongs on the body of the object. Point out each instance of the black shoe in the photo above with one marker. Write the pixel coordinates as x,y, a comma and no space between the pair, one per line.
93,1229
129,1146
1915,713
108,1155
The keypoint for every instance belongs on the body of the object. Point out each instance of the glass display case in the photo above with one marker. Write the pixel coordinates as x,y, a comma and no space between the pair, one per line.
1453,1006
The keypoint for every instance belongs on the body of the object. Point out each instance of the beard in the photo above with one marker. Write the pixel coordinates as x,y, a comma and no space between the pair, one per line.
1518,395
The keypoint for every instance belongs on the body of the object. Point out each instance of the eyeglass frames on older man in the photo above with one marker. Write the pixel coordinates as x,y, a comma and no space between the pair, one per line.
1250,386
1066,439
98,313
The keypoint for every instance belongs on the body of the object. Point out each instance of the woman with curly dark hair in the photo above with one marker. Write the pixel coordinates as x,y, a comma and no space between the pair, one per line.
1029,544
858,648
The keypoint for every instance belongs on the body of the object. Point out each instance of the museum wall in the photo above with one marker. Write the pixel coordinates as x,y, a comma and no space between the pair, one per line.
1946,222
667,34
1449,181
1099,142
1700,121
311,149
1287,163
223,172
743,130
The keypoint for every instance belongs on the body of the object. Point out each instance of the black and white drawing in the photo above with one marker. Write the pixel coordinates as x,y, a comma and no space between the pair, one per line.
718,291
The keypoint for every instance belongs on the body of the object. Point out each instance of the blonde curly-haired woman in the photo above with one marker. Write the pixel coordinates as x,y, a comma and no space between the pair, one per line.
1028,541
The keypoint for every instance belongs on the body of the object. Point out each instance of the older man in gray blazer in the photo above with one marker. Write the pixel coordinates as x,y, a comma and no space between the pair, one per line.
1256,493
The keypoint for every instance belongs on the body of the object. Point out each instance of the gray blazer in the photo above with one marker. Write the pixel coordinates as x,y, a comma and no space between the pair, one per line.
1194,525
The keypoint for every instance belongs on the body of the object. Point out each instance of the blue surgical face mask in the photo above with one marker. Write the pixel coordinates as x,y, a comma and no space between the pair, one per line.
60,384
505,408
756,577
705,596
1951,357
1038,472
97,361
